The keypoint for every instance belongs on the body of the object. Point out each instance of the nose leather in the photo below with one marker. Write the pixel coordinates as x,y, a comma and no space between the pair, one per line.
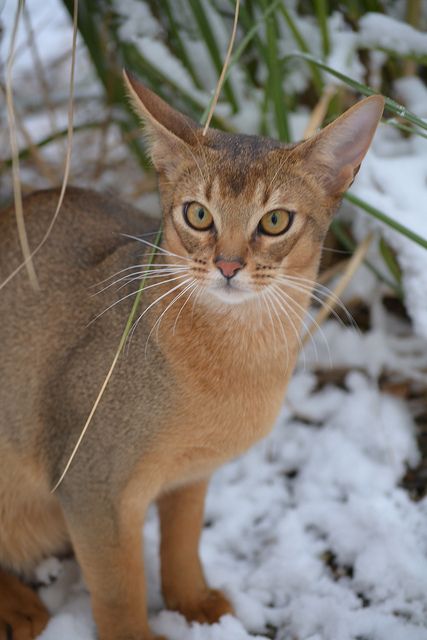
228,268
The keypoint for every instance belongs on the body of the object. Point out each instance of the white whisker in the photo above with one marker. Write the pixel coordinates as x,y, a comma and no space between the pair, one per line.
279,300
306,328
158,248
142,275
156,325
325,291
134,293
138,266
268,299
193,290
198,294
135,324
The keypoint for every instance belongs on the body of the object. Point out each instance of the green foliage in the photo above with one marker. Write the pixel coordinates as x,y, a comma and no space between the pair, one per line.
280,63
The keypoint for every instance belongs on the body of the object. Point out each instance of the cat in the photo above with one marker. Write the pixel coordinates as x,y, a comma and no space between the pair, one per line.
203,376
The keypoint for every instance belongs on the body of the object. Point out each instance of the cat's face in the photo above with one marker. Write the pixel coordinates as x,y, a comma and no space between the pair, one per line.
247,215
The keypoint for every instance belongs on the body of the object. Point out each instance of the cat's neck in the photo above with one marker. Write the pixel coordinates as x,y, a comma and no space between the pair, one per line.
257,337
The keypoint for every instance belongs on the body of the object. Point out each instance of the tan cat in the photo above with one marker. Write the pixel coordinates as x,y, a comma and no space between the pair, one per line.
244,218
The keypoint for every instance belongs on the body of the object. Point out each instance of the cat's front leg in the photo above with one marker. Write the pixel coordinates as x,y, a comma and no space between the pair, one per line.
108,545
183,583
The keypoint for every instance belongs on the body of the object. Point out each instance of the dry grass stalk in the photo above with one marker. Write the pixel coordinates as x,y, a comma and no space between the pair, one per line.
319,112
351,265
330,273
28,257
91,414
330,303
44,167
38,66
125,332
17,194
224,69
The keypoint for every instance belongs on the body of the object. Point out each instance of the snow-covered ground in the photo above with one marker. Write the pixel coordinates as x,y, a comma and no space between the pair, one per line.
311,533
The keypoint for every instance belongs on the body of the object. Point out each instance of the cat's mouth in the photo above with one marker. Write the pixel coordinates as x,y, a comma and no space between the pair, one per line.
231,291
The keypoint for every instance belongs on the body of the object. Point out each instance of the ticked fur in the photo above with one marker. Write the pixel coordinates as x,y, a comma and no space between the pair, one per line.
205,372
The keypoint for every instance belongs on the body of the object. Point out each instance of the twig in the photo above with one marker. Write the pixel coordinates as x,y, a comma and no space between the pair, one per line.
319,112
91,414
353,265
326,275
224,70
29,257
141,288
38,66
32,148
17,194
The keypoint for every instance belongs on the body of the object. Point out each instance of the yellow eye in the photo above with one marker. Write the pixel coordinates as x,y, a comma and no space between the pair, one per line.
197,216
276,222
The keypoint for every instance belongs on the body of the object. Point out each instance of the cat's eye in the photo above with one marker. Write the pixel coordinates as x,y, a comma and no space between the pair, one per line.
276,222
197,216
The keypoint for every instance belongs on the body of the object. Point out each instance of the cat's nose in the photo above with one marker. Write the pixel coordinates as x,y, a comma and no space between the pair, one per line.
230,267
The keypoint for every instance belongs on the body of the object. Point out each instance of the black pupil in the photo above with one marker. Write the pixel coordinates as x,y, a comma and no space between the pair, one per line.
274,218
201,214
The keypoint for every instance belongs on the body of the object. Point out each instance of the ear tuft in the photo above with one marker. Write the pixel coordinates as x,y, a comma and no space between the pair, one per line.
169,132
339,149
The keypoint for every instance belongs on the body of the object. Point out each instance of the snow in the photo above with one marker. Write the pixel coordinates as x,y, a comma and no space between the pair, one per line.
310,533
393,178
378,30
324,485
326,482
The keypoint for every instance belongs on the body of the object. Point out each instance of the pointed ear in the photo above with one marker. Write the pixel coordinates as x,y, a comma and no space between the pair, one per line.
170,134
335,154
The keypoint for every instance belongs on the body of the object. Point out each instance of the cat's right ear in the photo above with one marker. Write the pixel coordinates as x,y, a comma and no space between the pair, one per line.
170,134
334,155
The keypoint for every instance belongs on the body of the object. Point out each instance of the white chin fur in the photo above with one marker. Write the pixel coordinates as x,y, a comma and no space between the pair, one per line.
230,295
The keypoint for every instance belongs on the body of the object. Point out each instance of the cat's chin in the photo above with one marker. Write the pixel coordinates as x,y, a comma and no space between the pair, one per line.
230,295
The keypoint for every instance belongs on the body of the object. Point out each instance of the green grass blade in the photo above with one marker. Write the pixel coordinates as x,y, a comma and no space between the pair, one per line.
302,44
240,49
321,9
390,260
348,243
275,84
206,31
379,215
391,105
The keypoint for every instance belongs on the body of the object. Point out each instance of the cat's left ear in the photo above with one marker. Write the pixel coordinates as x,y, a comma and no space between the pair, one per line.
335,154
170,134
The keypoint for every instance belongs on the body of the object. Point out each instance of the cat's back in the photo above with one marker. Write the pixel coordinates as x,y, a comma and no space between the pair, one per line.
87,230
40,329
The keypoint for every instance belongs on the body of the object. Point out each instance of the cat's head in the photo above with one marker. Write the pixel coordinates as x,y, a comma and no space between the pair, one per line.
246,211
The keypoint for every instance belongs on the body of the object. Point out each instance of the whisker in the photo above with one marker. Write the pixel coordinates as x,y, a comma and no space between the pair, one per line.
269,298
275,293
287,300
198,294
135,324
138,266
194,289
310,285
306,328
155,246
156,325
139,275
134,293
153,276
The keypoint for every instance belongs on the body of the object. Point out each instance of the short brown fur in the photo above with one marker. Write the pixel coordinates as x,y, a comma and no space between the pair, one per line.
192,392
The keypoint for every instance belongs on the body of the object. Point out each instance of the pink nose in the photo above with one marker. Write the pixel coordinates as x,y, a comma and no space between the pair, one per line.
228,268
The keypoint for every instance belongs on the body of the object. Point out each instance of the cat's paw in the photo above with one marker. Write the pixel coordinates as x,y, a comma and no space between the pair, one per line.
209,607
22,615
